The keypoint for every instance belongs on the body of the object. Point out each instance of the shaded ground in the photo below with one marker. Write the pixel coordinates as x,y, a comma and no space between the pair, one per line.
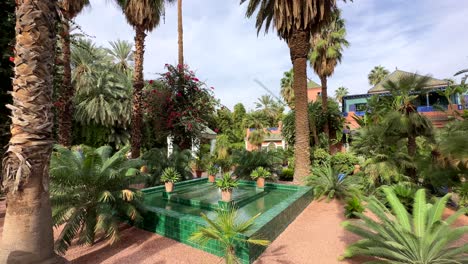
316,236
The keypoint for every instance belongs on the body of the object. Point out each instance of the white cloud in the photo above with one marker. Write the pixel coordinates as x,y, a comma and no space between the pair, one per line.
222,46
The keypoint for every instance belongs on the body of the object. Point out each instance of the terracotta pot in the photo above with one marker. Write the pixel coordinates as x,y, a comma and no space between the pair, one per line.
357,168
198,173
211,178
169,186
261,182
144,169
226,196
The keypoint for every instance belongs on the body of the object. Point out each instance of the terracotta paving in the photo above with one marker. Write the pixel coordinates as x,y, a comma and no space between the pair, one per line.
316,236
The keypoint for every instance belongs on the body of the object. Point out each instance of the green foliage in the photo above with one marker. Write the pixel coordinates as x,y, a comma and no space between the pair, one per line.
260,172
287,174
327,182
226,183
170,174
377,74
225,229
462,192
353,206
400,237
213,170
404,191
157,161
247,161
320,157
344,160
91,193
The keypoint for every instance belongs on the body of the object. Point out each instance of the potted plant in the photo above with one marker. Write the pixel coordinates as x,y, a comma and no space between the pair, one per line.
199,166
169,177
226,184
212,171
260,174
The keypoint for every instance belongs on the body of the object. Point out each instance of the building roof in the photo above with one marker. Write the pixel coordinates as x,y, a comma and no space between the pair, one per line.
207,133
311,84
396,75
273,137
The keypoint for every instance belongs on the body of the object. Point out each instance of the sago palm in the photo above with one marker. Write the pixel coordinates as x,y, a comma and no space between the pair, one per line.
377,74
142,15
295,21
330,182
91,193
327,52
225,230
400,237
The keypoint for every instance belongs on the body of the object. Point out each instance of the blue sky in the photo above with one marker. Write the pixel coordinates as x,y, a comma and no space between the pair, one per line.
222,46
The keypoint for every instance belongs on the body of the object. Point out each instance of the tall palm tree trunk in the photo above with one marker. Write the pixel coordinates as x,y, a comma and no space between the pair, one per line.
137,115
326,128
66,106
299,47
27,231
180,31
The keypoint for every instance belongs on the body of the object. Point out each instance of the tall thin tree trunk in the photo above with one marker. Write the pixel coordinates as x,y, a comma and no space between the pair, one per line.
65,113
180,31
27,231
299,48
138,83
326,128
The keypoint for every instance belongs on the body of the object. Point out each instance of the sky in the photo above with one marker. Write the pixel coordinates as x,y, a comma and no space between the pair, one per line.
222,46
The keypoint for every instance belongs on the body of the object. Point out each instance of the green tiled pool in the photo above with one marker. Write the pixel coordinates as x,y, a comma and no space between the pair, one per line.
178,216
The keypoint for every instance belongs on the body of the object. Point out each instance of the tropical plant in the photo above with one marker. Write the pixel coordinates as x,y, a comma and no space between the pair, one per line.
122,55
331,183
142,16
226,183
328,45
260,172
287,174
287,91
377,74
341,92
170,174
69,9
158,160
320,157
464,71
400,237
295,21
247,161
25,175
344,160
225,230
87,212
353,206
404,191
213,170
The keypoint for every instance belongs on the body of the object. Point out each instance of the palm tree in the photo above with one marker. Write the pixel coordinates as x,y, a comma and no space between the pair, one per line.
122,54
295,21
27,230
327,53
378,74
70,9
340,93
463,79
180,32
88,212
287,91
143,16
225,230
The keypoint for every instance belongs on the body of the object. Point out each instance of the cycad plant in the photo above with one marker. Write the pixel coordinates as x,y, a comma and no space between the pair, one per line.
157,161
91,193
329,182
227,229
400,237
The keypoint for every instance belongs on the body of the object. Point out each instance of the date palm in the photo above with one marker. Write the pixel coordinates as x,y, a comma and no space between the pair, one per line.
328,45
377,74
122,55
143,16
70,9
340,93
287,91
295,21
27,230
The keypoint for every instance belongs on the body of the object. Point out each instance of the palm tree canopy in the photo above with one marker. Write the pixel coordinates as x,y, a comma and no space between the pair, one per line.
73,7
290,15
341,92
377,74
143,13
287,91
328,46
122,54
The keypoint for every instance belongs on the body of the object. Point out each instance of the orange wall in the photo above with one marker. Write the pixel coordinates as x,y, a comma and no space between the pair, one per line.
313,93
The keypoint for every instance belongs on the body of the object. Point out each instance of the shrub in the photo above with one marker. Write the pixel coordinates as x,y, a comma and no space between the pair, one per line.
158,160
320,157
326,181
353,205
213,170
401,237
247,161
344,160
170,175
226,183
287,175
260,172
91,194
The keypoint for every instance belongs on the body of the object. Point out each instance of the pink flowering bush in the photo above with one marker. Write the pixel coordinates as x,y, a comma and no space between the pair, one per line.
178,103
